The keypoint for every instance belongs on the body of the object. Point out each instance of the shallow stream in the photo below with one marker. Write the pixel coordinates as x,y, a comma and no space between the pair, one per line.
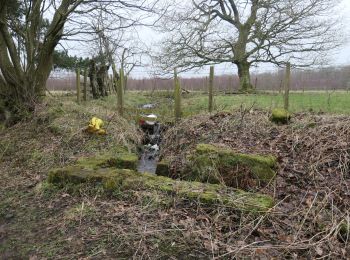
149,154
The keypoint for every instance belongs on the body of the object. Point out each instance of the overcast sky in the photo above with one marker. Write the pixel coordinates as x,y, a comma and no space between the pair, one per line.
343,55
338,57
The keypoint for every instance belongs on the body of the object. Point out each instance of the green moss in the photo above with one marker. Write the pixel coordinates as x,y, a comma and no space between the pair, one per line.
130,180
110,184
93,162
269,160
280,116
209,197
124,161
214,164
206,148
120,161
163,168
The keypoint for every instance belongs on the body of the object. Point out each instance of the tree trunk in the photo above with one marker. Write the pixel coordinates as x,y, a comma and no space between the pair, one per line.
22,87
101,80
126,82
244,77
115,78
93,81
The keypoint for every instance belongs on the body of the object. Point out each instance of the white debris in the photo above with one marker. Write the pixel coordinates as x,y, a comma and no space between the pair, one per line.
151,119
155,147
148,106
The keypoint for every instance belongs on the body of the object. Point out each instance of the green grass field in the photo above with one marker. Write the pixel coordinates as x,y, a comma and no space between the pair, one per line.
337,102
318,101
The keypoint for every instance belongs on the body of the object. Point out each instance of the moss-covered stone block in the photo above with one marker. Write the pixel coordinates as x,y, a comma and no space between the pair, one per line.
77,174
124,161
123,179
163,168
120,161
280,116
214,164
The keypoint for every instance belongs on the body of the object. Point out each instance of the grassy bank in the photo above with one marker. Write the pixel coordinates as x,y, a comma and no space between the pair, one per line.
41,221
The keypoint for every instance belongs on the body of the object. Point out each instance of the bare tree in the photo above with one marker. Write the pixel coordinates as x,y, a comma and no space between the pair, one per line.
248,32
29,34
116,41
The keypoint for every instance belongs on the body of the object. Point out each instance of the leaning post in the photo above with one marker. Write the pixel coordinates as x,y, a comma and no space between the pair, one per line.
287,86
78,84
211,87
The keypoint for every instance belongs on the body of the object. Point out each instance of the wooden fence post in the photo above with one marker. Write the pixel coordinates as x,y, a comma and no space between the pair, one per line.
85,84
120,93
211,86
287,86
78,84
177,97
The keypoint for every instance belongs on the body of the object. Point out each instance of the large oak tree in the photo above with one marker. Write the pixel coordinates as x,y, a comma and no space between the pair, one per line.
248,32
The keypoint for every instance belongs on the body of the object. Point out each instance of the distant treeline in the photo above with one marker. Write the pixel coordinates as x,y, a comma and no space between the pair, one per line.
321,79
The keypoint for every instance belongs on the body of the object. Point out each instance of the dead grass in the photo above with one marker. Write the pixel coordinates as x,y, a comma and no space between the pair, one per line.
313,178
40,221
52,138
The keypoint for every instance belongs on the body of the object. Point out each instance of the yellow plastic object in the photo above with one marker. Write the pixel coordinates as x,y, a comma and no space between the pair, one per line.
95,126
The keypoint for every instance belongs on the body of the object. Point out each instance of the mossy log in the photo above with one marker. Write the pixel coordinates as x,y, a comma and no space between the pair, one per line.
123,179
214,164
280,116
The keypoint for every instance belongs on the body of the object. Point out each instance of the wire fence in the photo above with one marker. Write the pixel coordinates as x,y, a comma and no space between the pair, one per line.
62,81
327,79
310,91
